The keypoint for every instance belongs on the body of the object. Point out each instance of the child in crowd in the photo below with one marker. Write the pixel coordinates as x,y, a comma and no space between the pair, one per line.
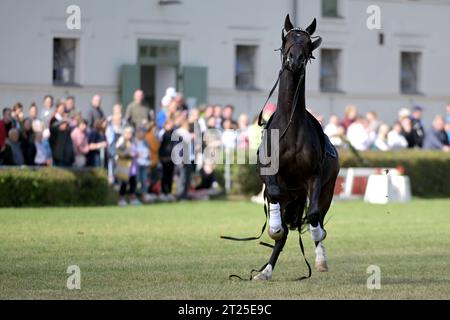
43,155
143,160
126,168
155,168
80,143
165,153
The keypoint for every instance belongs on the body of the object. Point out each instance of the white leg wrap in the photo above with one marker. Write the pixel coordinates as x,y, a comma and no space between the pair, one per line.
320,253
267,272
317,232
275,217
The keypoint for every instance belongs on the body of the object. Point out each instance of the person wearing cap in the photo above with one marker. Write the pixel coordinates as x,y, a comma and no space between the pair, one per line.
418,132
137,114
161,116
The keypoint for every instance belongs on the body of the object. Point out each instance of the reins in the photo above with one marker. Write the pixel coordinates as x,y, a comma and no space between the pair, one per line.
260,123
302,248
260,235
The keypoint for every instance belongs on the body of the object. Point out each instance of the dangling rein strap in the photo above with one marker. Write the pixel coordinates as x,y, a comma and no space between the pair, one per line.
260,123
254,238
250,278
231,276
302,249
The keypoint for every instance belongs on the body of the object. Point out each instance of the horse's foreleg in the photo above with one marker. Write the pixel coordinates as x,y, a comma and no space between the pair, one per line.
321,257
273,194
324,205
313,214
266,274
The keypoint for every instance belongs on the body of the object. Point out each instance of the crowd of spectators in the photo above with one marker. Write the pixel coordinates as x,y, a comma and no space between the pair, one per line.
136,146
407,131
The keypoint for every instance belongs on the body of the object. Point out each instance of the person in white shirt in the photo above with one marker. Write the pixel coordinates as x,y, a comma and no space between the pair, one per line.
395,139
187,166
381,142
358,135
229,136
334,131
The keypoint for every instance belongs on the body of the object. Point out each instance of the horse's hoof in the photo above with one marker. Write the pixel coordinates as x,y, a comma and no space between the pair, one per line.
264,275
276,235
261,277
322,266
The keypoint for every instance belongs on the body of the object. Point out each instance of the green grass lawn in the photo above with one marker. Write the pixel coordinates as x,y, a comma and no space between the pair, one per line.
173,251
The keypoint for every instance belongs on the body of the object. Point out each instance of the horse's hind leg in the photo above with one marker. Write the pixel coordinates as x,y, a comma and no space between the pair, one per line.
266,273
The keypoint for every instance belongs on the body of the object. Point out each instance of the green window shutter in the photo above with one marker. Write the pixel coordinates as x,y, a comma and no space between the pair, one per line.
130,81
195,83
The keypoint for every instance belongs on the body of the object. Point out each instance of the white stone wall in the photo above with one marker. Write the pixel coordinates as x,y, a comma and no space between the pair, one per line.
209,30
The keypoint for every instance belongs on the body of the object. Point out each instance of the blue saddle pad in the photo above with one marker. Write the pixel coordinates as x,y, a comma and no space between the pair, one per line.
329,148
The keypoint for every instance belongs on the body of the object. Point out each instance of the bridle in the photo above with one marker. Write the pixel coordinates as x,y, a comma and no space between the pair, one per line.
285,51
284,60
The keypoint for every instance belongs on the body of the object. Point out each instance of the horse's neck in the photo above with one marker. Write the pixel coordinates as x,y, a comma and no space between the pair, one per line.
286,95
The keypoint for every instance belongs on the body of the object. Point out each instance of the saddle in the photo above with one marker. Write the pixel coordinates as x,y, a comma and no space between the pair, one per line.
327,146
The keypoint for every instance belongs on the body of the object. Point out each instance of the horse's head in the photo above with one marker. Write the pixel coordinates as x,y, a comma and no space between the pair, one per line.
297,47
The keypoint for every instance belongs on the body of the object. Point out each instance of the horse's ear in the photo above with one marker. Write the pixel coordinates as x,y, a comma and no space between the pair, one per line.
316,44
288,24
283,37
312,27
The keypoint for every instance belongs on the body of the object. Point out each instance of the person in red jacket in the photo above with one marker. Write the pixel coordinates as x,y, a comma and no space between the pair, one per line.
5,125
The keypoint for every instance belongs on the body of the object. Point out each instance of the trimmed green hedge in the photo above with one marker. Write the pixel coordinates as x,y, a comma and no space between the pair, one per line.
50,186
429,171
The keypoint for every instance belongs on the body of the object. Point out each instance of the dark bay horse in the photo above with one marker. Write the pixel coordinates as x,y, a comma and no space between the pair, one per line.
308,164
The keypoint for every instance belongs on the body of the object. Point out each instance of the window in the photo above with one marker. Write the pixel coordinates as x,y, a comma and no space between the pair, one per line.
158,52
329,70
64,60
330,8
409,74
245,67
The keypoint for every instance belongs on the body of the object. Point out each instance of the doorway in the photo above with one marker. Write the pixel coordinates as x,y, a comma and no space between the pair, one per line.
154,82
159,61
148,85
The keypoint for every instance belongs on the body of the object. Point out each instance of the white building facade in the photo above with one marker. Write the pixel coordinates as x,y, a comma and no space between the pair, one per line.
223,52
